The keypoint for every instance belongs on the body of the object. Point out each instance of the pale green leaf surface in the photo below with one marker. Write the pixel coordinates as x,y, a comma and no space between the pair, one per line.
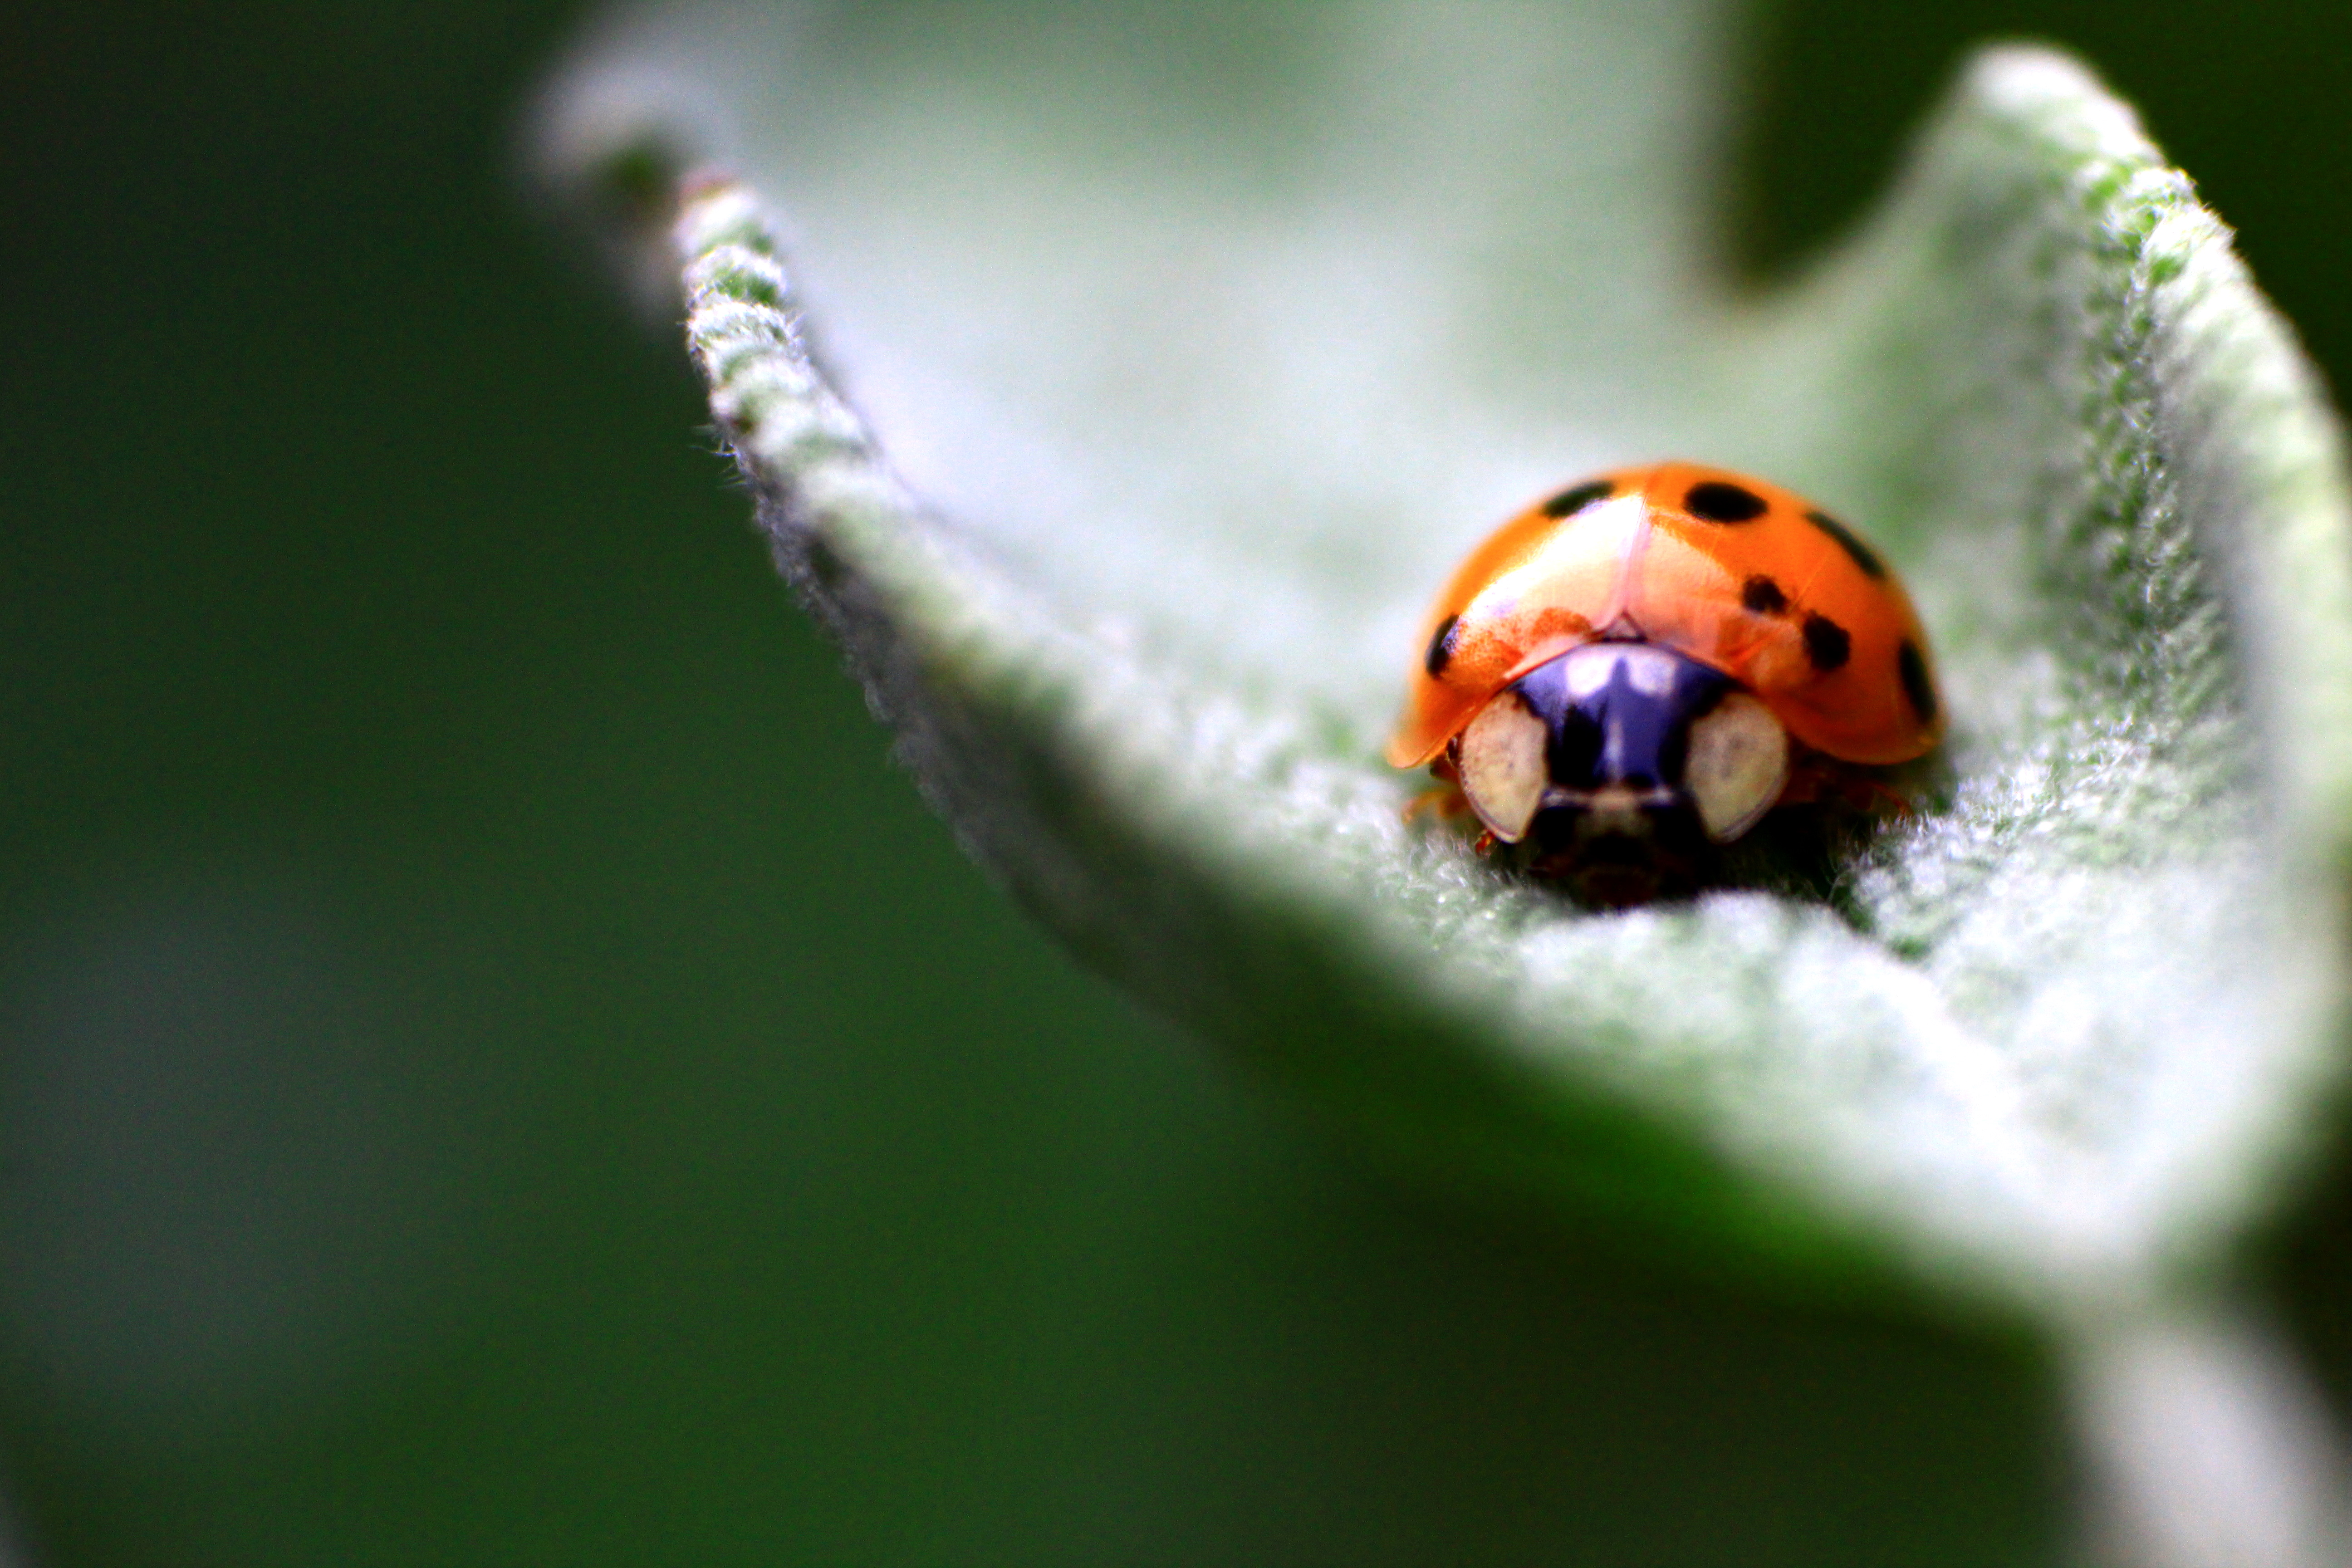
1198,354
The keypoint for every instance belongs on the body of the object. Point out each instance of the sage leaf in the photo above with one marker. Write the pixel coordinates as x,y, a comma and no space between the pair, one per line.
1135,379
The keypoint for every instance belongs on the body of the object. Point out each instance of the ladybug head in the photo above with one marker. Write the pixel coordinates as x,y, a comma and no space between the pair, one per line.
1620,766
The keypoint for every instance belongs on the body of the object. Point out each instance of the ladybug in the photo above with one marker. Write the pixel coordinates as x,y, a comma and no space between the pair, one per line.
1629,675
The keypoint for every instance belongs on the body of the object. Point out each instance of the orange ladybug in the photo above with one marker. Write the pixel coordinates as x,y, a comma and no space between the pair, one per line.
1631,674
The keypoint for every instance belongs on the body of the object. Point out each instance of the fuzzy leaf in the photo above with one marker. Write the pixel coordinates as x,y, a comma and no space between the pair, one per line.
1199,351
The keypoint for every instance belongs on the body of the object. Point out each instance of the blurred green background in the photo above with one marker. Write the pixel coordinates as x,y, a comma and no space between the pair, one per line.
497,1066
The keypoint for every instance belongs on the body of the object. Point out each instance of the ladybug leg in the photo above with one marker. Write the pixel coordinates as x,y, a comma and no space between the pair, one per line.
1443,800
1820,778
1883,799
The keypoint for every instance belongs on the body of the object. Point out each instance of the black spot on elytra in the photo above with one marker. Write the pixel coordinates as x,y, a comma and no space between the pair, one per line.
1911,667
1441,646
1763,595
1863,556
1716,501
1577,500
1826,643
